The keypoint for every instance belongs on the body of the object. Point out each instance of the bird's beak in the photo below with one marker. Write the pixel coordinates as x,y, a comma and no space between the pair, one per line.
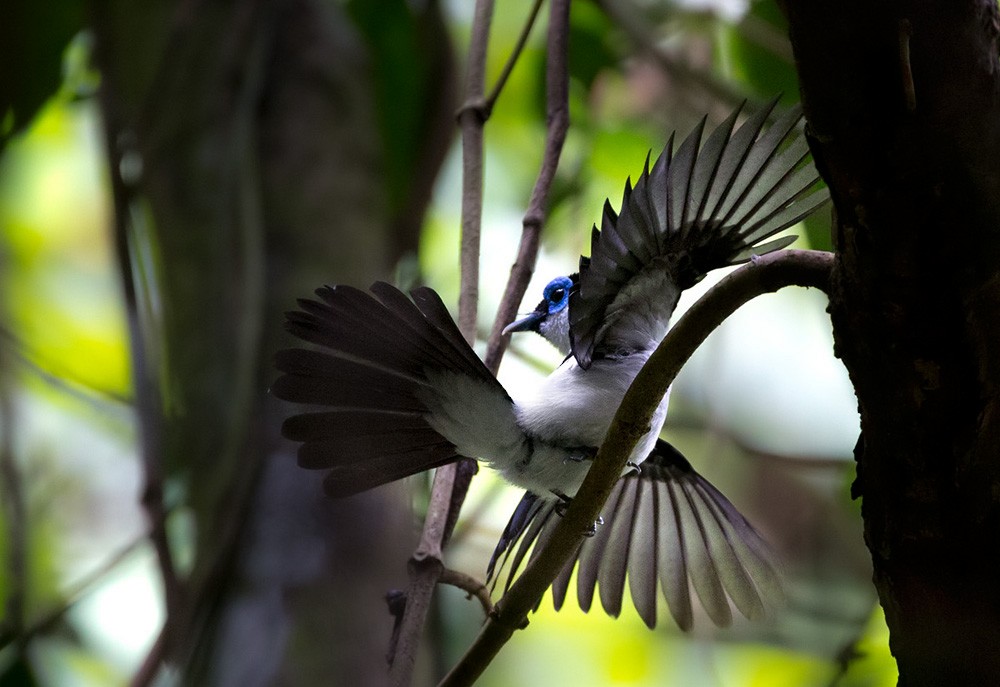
528,323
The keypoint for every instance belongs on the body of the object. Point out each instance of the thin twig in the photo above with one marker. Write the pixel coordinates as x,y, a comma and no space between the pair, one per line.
470,585
425,566
626,15
146,393
631,422
501,81
64,380
15,512
557,121
150,666
80,589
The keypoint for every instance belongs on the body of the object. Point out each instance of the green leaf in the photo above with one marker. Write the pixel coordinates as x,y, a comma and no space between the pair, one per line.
34,36
759,53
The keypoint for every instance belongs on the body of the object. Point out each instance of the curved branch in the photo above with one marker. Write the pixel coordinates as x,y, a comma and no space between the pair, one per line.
469,585
762,275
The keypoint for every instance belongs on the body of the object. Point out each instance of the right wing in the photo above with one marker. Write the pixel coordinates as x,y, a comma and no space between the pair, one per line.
698,209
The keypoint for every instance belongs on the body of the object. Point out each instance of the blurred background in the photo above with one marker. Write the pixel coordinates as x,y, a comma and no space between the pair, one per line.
263,148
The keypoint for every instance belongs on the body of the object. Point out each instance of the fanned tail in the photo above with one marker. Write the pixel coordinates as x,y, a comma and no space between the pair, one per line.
371,380
666,527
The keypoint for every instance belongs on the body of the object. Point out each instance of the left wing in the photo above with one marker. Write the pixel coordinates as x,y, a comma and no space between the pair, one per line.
667,527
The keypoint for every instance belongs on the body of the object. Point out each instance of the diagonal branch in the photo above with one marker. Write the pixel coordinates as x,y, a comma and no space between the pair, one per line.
763,275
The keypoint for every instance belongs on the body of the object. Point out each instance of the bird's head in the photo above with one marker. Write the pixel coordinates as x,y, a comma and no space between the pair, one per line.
550,318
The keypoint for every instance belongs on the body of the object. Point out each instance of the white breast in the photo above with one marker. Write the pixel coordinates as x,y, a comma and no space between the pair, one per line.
573,408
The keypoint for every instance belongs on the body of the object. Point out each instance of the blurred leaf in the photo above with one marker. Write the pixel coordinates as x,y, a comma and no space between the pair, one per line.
59,291
18,674
590,51
760,54
406,50
34,36
818,229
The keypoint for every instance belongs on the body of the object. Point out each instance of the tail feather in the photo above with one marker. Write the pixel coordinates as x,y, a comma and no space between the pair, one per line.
345,384
335,423
343,480
398,447
370,380
667,527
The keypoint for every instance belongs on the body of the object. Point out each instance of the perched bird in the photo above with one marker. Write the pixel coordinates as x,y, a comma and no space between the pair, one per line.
402,392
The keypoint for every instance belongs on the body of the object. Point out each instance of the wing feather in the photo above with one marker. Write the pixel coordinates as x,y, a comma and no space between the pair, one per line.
695,210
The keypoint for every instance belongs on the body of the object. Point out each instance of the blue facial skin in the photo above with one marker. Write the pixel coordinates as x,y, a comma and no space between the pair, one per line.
550,318
556,294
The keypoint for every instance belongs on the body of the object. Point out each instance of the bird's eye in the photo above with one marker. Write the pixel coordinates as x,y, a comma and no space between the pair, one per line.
557,295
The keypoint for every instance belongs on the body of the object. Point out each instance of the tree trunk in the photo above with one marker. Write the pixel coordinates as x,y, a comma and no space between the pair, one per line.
902,103
257,175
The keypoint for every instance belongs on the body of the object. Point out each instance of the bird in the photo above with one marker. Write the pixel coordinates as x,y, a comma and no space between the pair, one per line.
396,389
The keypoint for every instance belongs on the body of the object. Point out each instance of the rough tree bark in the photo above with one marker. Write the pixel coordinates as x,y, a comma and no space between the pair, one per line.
902,103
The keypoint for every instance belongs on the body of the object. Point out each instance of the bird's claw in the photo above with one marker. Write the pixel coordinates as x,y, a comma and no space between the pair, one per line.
563,504
592,530
632,469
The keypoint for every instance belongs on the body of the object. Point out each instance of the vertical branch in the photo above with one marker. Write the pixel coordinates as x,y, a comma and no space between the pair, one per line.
448,492
145,390
451,482
15,515
557,123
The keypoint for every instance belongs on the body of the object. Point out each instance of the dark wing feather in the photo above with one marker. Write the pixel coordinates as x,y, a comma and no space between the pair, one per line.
668,527
370,380
698,209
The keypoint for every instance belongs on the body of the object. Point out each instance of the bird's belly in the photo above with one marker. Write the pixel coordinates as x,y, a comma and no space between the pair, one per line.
568,416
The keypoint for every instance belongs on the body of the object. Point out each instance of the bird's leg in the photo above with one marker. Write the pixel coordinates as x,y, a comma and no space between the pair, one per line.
578,454
592,530
563,504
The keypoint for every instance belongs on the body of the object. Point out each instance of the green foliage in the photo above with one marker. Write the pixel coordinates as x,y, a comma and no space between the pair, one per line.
33,36
408,51
200,275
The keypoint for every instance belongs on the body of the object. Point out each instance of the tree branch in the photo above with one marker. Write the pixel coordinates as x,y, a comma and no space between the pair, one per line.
763,275
470,585
146,393
451,482
15,512
557,122
447,492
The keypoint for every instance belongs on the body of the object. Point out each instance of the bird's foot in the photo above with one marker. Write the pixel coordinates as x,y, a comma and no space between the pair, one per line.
632,469
592,530
563,504
580,454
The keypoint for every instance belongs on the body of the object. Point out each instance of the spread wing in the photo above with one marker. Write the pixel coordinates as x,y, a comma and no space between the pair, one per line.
400,390
666,527
698,209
